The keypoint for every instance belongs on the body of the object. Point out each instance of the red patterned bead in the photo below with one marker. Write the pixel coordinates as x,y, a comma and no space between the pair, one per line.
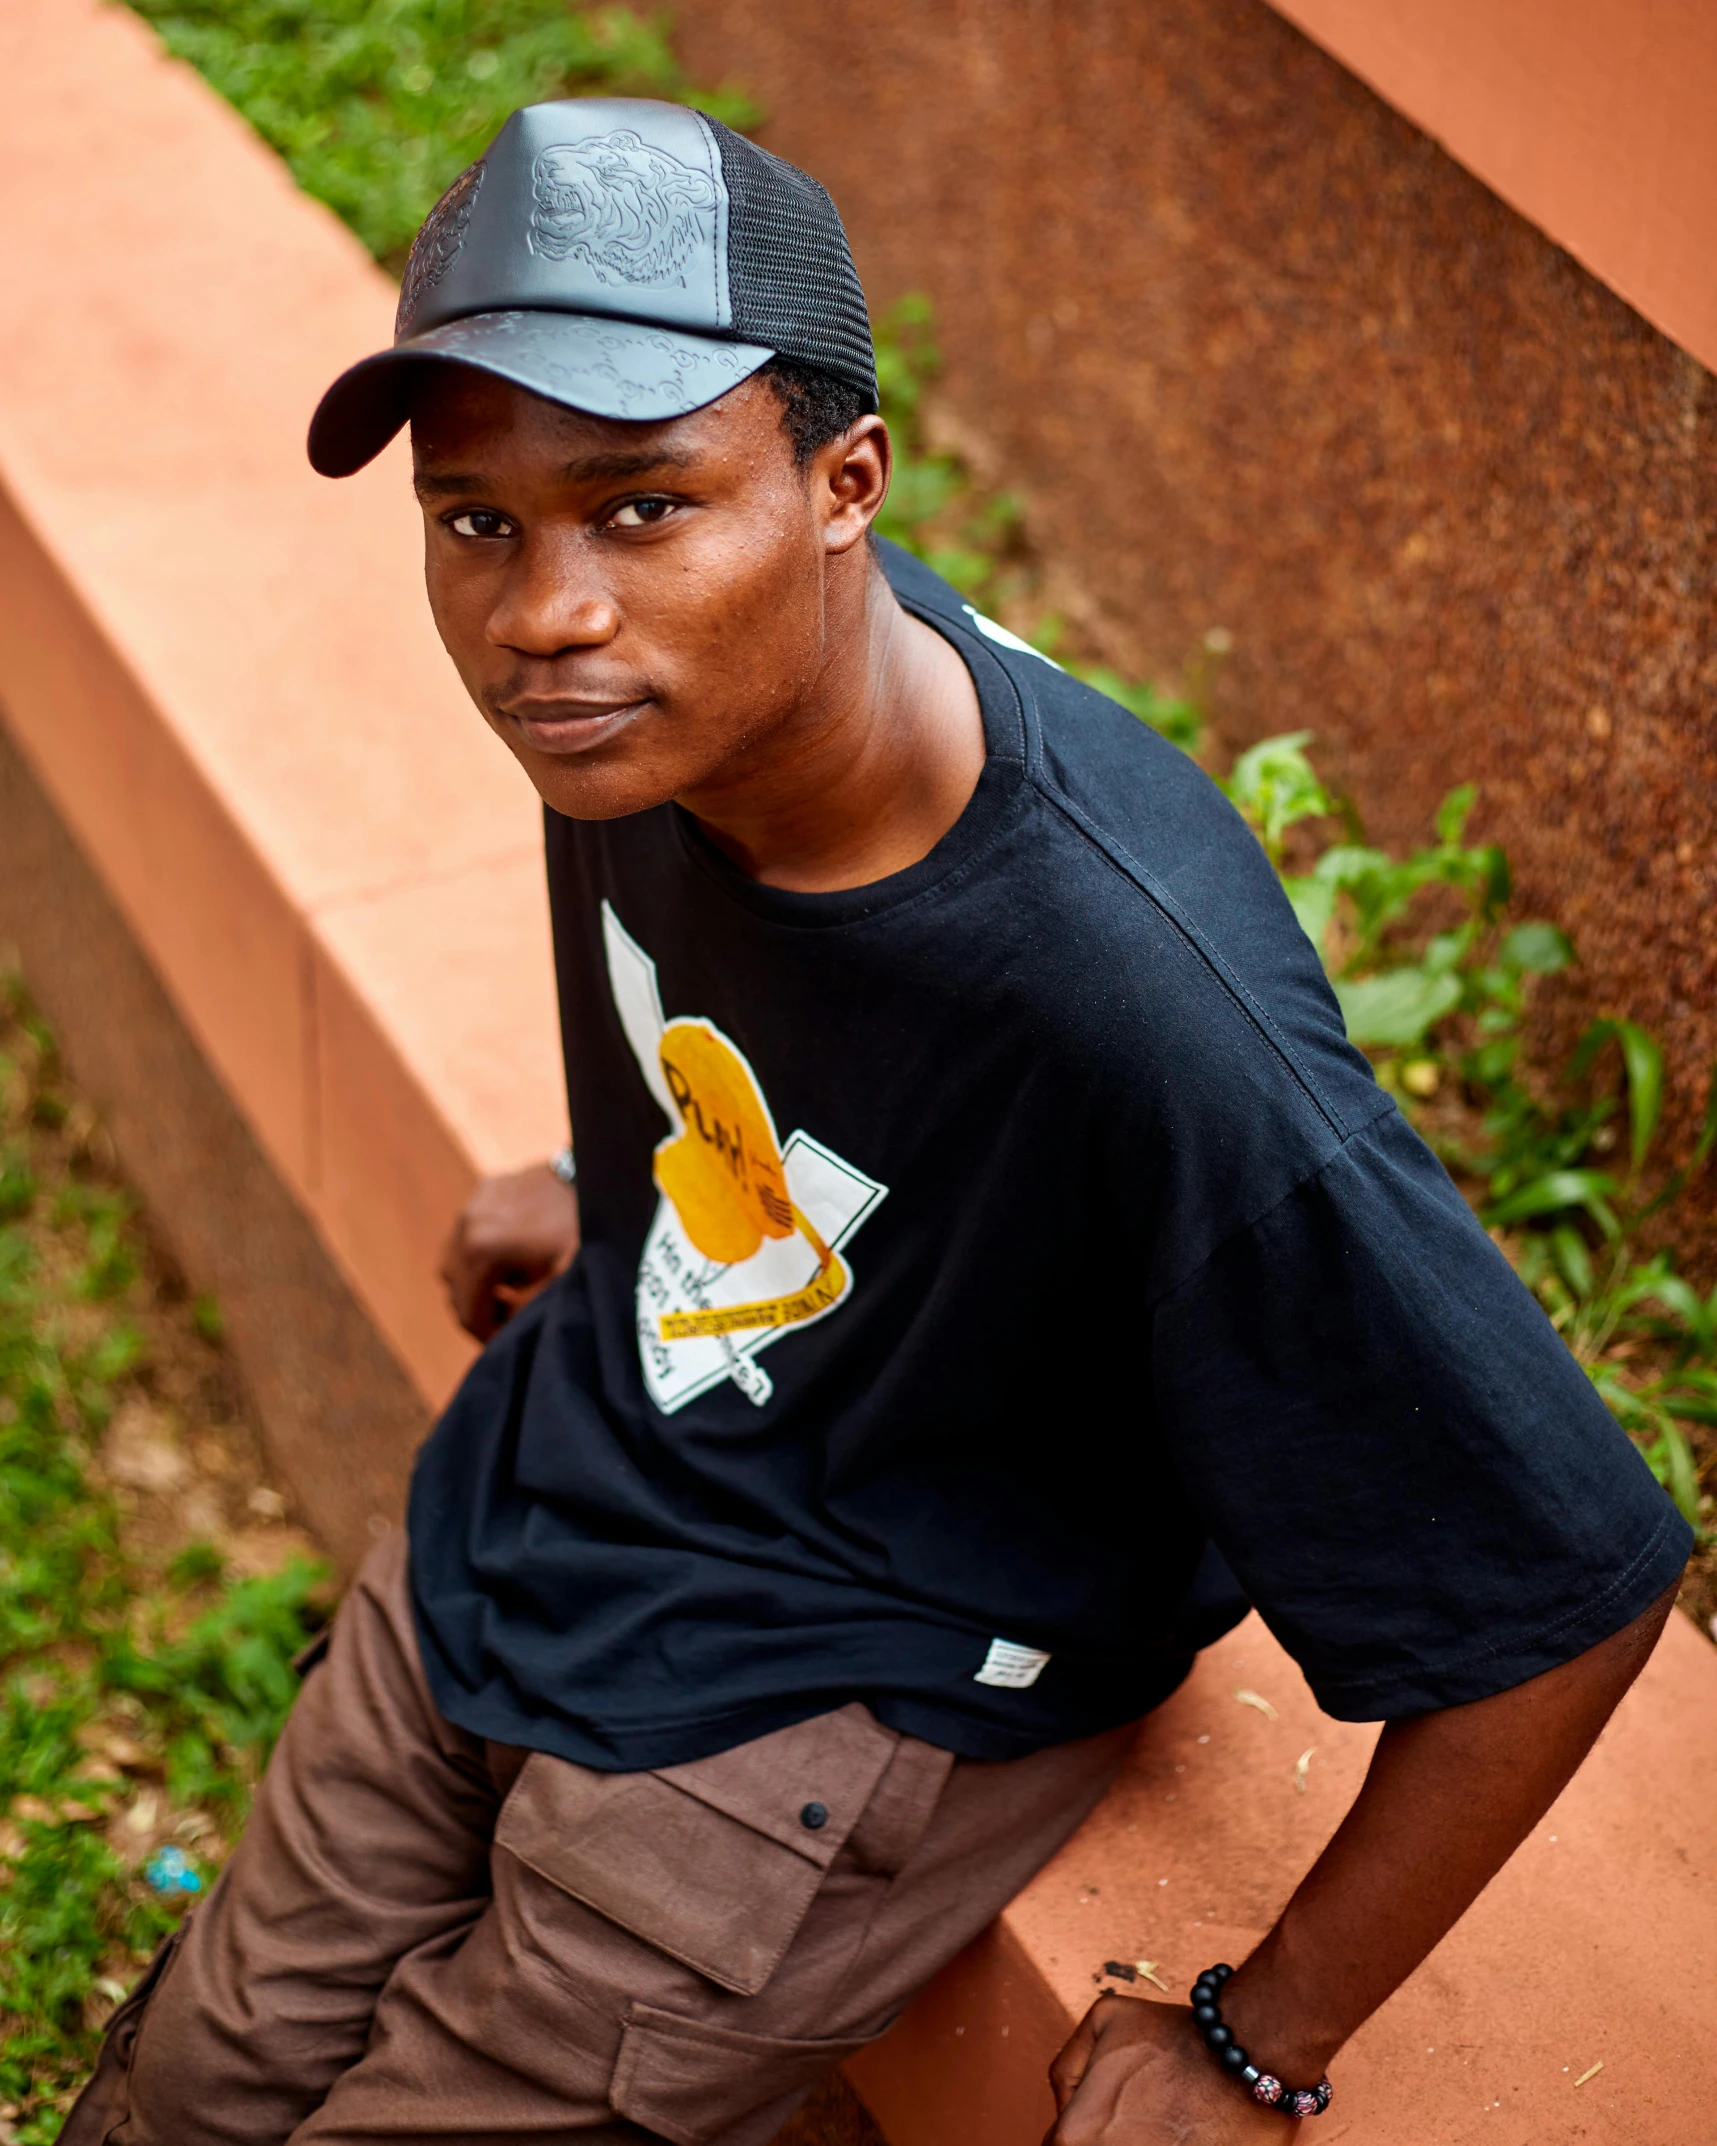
1300,2101
1268,2090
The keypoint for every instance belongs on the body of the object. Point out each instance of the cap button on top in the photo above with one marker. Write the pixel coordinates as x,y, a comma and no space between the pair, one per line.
815,1816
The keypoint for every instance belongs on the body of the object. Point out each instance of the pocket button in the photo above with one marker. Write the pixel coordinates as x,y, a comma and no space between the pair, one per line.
814,1816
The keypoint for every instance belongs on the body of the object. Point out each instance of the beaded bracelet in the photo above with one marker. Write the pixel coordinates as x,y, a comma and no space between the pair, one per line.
1266,2087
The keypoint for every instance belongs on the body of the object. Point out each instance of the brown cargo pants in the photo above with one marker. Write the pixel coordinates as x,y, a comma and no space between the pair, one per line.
423,1936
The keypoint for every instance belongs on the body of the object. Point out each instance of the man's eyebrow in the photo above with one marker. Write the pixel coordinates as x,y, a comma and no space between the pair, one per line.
636,462
438,483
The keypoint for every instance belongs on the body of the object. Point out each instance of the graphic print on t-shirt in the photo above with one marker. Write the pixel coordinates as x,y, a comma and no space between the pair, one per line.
748,1232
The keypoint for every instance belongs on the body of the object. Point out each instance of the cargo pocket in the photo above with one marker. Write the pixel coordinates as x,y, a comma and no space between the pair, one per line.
714,1863
105,2101
689,2081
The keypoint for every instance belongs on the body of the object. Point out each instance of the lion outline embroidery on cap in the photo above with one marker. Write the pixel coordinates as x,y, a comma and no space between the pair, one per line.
630,212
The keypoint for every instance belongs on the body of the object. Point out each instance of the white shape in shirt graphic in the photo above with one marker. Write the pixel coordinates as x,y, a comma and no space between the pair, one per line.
726,1184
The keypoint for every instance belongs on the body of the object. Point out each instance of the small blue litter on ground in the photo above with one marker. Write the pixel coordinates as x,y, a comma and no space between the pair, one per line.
170,1870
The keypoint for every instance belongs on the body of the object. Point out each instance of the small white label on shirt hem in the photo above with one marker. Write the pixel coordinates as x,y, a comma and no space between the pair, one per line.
1011,1666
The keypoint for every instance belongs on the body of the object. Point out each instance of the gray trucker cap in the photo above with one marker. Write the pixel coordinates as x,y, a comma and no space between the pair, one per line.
632,259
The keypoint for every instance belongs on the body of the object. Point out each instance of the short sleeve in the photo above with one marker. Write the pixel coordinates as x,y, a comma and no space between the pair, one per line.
1413,1478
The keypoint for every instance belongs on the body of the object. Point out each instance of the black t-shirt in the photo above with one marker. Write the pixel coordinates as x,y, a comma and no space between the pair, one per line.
963,1250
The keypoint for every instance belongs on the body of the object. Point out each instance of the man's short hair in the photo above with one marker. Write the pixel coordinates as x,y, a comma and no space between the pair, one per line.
815,407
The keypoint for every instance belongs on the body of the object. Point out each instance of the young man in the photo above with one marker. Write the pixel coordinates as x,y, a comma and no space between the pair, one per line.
983,1215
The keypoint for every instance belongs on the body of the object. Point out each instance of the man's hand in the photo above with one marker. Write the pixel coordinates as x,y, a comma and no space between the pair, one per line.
1136,2074
513,1236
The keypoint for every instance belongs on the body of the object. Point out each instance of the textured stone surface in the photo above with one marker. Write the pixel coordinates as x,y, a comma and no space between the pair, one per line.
1259,355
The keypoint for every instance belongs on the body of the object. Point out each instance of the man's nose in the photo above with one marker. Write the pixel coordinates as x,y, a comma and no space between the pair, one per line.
554,600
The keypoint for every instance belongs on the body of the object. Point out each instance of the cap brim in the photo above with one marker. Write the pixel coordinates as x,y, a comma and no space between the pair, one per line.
609,368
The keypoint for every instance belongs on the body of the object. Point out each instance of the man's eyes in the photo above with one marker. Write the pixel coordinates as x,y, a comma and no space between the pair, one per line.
480,522
485,522
640,513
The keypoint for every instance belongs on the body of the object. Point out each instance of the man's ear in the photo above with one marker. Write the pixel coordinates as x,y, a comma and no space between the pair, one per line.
849,480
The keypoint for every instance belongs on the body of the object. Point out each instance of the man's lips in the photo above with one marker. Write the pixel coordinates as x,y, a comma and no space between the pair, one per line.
568,726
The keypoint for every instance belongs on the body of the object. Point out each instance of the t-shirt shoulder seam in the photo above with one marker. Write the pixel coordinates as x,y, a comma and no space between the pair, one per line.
1121,861
1251,1222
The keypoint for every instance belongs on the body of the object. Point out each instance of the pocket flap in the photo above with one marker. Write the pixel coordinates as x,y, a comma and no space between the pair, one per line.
689,2081
710,1862
831,1764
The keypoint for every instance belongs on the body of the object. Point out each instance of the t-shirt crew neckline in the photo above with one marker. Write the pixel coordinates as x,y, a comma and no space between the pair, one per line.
1006,756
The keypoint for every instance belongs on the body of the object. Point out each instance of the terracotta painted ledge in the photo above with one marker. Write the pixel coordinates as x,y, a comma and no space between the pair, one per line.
222,672
221,668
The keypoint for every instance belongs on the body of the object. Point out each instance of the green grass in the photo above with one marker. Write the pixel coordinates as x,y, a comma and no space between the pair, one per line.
138,1701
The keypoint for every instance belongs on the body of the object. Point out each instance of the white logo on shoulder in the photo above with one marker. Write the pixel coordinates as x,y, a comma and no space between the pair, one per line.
1003,638
1012,1666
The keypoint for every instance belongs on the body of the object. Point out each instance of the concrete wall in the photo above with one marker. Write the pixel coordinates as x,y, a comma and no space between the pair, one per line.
1260,355
1593,117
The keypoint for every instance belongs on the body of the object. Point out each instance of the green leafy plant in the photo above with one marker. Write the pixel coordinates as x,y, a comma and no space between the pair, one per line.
1354,900
378,105
1579,1225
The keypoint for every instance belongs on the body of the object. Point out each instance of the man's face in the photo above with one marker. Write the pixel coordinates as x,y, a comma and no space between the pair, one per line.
636,608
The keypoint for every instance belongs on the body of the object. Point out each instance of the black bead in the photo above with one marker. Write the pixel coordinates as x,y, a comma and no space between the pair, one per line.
1206,2015
1204,1991
1221,1973
814,1816
1234,2058
1218,2037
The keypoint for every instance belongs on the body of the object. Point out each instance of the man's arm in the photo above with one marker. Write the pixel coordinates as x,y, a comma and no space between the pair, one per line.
513,1236
1448,1798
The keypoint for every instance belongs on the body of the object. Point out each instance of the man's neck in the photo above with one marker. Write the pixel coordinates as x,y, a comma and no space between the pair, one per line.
872,769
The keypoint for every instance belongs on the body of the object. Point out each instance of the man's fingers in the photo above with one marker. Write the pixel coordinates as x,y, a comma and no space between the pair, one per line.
514,1235
474,1303
513,1291
468,1280
1069,2066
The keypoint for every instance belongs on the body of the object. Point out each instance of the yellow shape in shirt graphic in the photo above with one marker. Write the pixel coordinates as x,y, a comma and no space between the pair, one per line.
724,1176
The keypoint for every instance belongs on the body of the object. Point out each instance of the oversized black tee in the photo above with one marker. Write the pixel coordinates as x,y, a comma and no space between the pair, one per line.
960,1253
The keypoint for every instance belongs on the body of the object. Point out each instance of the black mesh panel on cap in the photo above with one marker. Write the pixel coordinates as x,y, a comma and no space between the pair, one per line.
790,275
